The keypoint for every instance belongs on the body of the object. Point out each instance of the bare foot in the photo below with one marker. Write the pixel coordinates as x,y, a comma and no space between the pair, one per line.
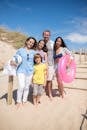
64,92
35,104
25,103
51,98
18,105
62,95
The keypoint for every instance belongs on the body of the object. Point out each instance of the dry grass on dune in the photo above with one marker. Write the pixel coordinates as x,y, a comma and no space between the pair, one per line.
15,38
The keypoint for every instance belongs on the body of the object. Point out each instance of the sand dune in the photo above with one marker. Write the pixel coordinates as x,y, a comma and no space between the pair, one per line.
6,52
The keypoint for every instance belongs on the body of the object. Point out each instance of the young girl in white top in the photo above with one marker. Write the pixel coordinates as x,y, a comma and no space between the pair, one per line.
60,49
43,54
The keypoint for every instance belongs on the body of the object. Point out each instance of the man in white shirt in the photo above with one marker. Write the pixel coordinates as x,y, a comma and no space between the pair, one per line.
49,49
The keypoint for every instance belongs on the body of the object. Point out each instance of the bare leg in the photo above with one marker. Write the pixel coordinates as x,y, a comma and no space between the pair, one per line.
38,99
45,88
60,86
34,100
49,87
61,89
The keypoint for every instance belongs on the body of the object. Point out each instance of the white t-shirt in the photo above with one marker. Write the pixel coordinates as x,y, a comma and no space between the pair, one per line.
50,45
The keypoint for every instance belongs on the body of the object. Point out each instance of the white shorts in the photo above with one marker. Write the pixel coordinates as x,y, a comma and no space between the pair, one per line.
51,73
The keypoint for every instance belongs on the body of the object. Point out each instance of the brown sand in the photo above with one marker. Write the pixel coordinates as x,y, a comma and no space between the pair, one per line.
58,114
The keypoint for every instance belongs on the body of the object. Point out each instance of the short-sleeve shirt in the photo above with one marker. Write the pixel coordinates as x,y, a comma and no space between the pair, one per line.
27,64
42,53
39,73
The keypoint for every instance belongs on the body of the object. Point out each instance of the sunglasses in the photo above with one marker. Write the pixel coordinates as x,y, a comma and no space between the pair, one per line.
27,56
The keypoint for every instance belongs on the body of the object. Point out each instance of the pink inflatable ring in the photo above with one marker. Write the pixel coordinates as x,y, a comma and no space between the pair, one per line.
66,75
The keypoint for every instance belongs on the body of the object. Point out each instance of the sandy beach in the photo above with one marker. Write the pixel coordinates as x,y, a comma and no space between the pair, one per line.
58,114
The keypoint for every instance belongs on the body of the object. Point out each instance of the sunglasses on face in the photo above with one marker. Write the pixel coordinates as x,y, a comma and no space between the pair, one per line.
27,56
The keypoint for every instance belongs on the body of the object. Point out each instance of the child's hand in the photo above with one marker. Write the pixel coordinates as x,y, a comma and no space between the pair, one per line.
13,63
44,83
67,66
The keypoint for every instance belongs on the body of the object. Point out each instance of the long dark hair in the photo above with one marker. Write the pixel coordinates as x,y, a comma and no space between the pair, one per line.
40,41
35,42
45,49
62,45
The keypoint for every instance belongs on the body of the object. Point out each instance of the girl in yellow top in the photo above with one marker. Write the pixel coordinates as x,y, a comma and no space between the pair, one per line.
38,78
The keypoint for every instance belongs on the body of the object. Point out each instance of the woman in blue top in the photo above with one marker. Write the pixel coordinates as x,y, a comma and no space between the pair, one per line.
25,69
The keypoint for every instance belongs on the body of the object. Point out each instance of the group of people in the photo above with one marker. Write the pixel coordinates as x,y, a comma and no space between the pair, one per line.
38,67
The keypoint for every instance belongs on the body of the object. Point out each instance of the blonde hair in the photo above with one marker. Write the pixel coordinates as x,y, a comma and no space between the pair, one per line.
37,56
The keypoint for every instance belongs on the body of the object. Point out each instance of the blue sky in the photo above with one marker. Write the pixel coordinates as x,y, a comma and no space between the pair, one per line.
65,18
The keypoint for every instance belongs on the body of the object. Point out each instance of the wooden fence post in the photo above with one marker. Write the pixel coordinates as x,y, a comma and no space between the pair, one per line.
73,53
85,55
10,88
80,52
